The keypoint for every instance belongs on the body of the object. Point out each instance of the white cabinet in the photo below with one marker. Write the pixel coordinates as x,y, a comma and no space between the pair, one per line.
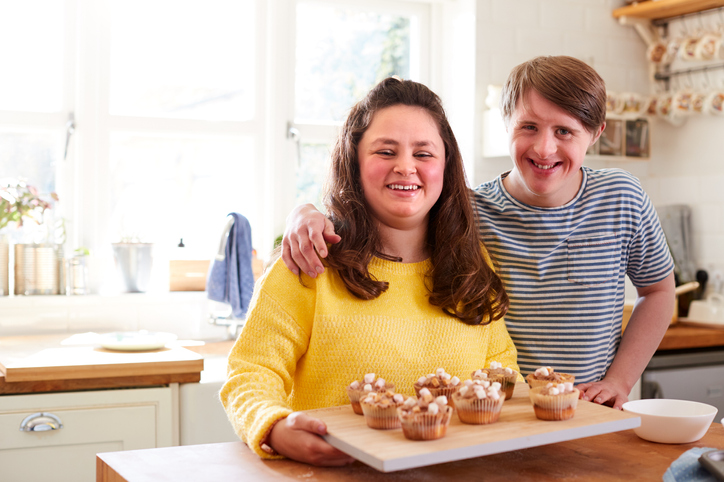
92,422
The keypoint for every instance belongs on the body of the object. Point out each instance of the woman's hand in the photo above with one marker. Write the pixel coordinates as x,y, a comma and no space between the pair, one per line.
298,437
307,233
604,392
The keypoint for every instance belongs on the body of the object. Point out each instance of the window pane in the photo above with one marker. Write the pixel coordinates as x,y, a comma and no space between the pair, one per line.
341,54
31,55
30,155
313,169
166,188
183,59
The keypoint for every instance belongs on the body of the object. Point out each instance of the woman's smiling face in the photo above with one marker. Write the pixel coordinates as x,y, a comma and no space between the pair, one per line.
402,160
547,145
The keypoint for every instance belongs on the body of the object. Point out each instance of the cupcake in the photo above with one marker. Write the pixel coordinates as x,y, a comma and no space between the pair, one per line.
479,401
425,418
438,383
380,409
545,375
357,389
496,373
555,401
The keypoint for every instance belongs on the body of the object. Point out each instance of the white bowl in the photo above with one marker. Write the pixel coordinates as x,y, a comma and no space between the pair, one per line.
671,421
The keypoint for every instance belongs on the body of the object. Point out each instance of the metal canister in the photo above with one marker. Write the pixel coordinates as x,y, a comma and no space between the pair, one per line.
36,269
4,268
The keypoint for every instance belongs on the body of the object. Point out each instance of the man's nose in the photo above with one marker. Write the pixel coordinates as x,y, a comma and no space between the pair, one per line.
545,145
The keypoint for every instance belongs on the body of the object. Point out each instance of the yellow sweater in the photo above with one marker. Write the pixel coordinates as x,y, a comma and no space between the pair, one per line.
301,346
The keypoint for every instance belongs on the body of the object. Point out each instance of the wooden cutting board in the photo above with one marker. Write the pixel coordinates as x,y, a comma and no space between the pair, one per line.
517,428
85,362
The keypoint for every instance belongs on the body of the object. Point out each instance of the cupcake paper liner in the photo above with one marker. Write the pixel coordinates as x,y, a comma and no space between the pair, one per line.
554,407
478,411
425,426
381,418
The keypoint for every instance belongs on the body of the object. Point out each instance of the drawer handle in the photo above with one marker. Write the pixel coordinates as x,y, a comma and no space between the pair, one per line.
41,422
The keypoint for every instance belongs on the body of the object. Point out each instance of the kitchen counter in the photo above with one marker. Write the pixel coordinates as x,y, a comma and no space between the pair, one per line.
681,336
615,456
15,348
37,364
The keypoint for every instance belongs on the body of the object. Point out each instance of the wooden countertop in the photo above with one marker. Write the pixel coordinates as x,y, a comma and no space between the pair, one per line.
615,456
35,364
682,335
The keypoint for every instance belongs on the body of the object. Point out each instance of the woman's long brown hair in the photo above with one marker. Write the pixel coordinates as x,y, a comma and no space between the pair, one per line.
461,281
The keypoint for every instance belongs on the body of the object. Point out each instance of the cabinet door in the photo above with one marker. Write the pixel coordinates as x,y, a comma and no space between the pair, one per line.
93,422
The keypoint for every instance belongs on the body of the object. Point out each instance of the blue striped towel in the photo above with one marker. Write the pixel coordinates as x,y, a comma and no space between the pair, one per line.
231,280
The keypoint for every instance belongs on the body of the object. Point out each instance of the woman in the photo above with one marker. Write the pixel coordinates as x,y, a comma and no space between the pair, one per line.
409,289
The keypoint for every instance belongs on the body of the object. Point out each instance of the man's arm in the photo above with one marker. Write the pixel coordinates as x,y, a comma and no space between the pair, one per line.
646,327
305,240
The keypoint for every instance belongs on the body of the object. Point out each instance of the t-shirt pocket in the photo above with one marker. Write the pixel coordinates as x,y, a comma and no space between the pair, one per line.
593,260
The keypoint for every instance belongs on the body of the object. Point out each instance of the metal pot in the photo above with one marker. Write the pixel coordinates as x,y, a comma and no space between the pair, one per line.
133,264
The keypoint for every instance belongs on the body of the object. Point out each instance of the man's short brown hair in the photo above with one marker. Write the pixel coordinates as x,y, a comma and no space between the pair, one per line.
569,83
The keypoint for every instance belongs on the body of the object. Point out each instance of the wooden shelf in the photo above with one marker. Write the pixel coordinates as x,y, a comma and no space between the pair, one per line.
656,9
599,157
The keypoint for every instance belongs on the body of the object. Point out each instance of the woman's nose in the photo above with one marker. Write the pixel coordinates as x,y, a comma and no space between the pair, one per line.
545,145
405,165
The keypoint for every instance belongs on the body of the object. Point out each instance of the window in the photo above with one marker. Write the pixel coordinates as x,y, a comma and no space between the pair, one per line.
180,174
342,50
32,95
154,119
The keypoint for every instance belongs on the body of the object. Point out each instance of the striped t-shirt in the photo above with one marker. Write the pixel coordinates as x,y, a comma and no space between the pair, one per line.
564,268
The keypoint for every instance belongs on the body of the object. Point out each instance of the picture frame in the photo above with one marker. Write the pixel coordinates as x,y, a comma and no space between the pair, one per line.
611,140
637,138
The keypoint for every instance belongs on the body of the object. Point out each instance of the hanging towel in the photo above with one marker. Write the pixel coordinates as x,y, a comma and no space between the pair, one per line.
231,279
676,223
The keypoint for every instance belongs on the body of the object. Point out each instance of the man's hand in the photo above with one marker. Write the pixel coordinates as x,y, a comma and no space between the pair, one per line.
604,392
645,329
305,240
298,437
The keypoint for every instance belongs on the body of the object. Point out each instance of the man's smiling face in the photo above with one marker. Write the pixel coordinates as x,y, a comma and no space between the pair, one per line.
547,145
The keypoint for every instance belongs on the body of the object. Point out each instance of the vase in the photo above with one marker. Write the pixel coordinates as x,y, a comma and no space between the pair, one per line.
133,264
36,269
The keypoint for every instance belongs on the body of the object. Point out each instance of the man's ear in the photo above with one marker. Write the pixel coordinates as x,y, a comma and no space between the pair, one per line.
598,133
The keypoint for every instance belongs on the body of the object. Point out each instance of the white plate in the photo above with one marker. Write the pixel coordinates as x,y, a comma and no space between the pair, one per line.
135,340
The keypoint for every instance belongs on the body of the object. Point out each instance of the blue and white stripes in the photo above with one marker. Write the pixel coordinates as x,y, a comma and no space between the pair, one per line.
564,268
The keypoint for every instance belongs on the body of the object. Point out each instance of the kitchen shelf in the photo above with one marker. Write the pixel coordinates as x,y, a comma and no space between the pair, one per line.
654,10
674,73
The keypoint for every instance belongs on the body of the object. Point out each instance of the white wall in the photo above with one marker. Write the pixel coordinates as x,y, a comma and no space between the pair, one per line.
686,165
688,168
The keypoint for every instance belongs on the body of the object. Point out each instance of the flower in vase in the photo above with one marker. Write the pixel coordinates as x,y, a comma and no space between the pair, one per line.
20,201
